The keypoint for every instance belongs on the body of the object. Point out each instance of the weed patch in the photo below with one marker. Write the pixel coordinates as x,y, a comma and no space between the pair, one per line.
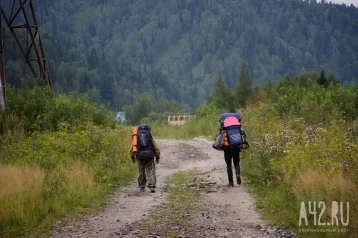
292,161
49,175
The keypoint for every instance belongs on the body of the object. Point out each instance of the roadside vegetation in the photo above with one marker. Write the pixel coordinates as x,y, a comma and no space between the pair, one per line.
304,141
303,135
59,155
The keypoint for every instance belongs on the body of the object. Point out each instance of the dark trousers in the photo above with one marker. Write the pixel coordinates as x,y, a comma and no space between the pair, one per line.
233,156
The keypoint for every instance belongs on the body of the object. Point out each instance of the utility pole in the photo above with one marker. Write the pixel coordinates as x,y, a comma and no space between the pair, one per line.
20,18
2,72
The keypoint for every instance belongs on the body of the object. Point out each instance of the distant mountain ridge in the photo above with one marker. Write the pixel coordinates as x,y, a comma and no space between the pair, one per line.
187,43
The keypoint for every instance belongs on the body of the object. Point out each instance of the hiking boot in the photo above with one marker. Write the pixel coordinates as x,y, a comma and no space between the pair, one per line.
142,189
152,189
238,178
231,184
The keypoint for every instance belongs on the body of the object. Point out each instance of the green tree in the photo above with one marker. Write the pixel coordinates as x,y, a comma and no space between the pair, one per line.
140,109
306,80
243,88
331,79
222,96
270,91
286,82
322,80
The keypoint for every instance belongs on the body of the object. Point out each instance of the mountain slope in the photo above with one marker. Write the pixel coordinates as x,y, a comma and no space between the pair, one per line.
190,42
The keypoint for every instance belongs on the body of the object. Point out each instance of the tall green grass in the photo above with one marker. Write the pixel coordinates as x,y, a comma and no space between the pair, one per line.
296,158
58,156
69,171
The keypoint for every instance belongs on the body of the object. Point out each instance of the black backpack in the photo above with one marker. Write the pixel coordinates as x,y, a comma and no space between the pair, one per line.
145,144
234,137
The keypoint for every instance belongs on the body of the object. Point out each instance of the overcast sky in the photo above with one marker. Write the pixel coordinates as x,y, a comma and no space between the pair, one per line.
348,2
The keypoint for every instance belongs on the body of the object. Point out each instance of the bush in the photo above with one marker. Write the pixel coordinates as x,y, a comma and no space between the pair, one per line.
61,152
36,110
74,169
323,149
303,148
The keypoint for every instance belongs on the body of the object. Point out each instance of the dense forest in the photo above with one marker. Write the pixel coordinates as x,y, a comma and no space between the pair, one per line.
115,51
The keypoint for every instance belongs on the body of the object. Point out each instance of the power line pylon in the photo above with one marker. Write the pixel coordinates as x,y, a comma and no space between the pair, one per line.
20,18
2,72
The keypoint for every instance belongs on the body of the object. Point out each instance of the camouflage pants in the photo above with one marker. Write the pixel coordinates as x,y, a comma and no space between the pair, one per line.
146,173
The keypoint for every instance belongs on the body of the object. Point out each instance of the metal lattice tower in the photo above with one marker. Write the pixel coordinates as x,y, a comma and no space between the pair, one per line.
20,18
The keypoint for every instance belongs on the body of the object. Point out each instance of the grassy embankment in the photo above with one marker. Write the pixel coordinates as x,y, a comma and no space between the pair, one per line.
304,147
58,156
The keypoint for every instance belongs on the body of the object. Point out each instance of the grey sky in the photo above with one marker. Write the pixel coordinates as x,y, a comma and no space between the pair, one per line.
348,2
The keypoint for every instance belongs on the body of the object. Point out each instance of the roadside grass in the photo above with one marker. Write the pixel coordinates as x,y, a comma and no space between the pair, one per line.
291,162
280,205
206,127
20,194
59,155
175,216
47,176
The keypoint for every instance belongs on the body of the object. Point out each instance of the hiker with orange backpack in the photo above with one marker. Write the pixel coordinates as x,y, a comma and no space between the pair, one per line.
231,140
143,150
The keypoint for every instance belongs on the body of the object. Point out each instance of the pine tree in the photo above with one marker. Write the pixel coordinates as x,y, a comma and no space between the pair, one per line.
243,88
221,96
287,81
270,91
322,80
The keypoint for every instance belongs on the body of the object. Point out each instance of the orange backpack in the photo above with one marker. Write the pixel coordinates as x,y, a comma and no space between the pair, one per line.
134,139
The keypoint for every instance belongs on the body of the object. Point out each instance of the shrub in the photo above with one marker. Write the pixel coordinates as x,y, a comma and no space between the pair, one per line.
72,168
35,110
303,148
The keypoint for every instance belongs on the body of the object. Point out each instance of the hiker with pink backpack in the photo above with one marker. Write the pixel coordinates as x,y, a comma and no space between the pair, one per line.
231,140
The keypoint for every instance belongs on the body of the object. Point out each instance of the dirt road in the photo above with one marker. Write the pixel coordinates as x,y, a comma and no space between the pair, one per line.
231,213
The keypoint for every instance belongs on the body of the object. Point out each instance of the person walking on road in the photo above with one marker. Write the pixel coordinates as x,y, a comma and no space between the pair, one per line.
230,126
144,150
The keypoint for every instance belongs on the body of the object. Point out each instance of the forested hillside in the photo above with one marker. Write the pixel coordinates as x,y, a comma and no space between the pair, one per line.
116,50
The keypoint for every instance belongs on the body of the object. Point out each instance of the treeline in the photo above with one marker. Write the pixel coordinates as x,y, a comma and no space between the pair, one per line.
226,99
75,70
116,50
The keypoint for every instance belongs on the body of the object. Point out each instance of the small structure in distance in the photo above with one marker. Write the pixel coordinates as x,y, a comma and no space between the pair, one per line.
121,117
179,120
